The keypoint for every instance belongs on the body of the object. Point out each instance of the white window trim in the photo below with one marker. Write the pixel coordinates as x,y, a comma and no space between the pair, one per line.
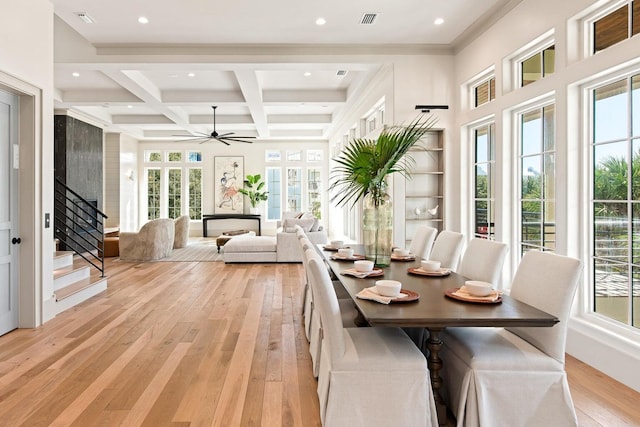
602,10
475,81
512,63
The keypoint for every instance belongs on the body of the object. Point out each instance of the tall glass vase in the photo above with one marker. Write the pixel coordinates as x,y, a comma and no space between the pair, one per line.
377,225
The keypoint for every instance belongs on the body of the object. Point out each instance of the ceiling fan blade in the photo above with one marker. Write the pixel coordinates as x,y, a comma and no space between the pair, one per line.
238,140
222,140
225,135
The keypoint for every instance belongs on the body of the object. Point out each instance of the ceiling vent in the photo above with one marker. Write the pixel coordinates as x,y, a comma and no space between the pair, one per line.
85,18
368,18
341,73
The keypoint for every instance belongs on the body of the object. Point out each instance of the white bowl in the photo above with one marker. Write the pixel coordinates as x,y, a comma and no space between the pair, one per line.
345,252
388,288
430,265
401,252
478,288
337,243
363,265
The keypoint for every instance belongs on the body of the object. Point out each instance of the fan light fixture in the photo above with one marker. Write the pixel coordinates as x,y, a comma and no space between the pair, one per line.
225,138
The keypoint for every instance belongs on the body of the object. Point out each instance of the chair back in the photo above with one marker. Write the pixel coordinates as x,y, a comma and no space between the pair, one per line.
326,301
548,282
447,248
422,241
483,260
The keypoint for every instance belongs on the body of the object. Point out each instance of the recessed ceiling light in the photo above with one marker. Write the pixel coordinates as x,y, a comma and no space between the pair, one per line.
143,20
75,74
85,18
439,21
321,21
129,106
307,74
191,74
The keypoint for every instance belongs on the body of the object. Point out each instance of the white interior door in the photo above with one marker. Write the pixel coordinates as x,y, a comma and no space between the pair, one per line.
9,240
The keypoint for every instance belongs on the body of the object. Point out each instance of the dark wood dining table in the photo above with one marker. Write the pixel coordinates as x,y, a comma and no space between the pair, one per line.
433,309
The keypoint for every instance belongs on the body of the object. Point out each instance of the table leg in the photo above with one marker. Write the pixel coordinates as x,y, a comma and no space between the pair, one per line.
434,344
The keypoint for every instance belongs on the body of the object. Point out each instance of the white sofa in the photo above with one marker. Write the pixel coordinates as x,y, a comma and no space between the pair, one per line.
284,247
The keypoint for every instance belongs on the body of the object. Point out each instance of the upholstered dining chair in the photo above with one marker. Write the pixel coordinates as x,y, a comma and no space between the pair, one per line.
422,241
483,260
447,248
516,375
368,376
311,316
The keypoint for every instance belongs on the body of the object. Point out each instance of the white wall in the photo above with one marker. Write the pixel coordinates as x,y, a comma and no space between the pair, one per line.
612,349
26,68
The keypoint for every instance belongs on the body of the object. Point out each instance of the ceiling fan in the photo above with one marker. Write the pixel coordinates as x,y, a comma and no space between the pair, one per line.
225,138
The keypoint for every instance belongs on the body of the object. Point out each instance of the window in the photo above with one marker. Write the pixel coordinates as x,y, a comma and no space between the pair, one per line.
314,191
484,92
195,193
615,210
274,179
152,156
314,156
272,155
616,26
484,180
537,66
537,179
194,156
174,156
294,189
174,192
294,156
153,193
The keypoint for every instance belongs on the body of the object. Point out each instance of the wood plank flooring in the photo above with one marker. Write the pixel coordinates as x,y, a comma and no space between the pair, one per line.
195,344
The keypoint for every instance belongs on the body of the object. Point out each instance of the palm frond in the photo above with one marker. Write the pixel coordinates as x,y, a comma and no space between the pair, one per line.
366,162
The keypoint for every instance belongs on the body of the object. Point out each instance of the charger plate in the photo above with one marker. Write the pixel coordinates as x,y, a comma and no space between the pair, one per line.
411,296
403,258
437,273
451,293
355,257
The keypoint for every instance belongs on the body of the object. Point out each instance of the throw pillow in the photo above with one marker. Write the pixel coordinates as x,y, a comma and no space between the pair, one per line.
316,225
290,223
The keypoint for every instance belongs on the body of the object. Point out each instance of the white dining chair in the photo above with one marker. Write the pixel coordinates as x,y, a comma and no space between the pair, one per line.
311,315
516,375
368,376
422,241
447,248
483,260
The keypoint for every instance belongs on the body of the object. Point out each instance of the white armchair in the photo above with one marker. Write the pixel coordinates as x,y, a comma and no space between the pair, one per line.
153,241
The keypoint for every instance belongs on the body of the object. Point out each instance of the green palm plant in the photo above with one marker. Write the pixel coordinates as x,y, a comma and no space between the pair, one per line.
364,165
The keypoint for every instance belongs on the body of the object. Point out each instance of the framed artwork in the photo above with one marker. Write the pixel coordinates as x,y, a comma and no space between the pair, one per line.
228,172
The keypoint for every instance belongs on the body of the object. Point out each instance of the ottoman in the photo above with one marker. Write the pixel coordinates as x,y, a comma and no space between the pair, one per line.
227,235
250,249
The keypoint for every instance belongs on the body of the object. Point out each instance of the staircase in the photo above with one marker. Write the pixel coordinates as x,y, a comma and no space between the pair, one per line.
73,282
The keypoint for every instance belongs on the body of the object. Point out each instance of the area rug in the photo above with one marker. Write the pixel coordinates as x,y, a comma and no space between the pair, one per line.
206,251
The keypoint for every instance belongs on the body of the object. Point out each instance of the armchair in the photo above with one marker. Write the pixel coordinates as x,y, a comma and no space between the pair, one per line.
153,241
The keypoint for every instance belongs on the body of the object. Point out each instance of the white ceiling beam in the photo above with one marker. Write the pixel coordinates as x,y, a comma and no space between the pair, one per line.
221,119
139,119
299,118
208,97
98,96
304,96
252,92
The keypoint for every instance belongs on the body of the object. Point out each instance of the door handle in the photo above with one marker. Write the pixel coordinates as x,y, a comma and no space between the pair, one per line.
16,241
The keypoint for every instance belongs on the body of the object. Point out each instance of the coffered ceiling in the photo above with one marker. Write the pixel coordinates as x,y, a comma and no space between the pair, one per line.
271,70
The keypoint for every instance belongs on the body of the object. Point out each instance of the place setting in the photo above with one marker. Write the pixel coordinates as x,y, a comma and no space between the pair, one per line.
401,254
387,292
430,268
475,291
362,269
346,254
335,246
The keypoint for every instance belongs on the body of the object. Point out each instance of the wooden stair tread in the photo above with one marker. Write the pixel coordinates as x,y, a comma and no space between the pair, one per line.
76,287
63,271
60,254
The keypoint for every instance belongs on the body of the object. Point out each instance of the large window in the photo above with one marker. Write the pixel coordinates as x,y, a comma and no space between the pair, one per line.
615,147
294,189
616,26
484,180
274,199
537,179
484,91
174,186
314,191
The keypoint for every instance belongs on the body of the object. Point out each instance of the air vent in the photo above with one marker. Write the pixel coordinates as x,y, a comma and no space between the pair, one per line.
341,73
85,18
368,18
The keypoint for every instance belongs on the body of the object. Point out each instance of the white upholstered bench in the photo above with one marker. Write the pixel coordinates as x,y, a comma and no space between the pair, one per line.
251,249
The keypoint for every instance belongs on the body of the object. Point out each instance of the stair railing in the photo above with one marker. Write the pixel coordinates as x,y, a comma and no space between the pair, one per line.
79,225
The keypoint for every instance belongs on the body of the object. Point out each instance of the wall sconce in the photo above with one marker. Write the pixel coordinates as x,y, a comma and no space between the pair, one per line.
428,108
129,175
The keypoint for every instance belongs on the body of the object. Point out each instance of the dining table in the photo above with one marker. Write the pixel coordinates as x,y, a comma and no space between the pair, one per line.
431,305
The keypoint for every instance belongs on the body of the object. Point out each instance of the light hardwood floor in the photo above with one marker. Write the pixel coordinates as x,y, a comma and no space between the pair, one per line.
194,344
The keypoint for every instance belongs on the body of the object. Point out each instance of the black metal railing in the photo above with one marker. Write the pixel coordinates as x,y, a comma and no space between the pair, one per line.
79,225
